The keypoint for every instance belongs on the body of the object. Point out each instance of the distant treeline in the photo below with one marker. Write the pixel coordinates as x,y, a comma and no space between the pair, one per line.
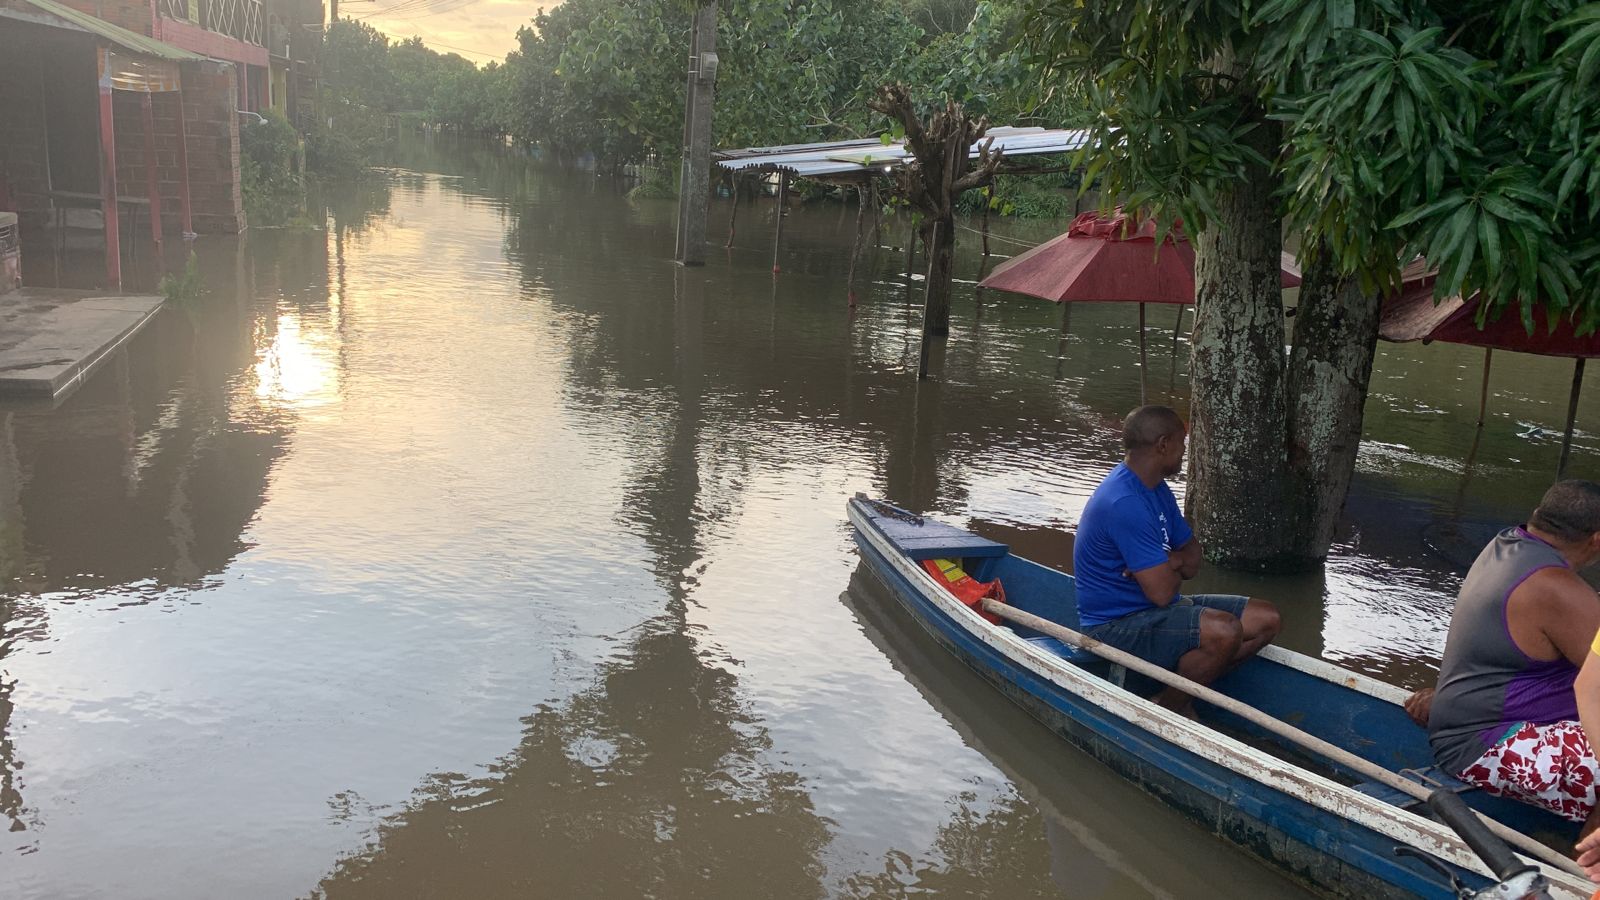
605,78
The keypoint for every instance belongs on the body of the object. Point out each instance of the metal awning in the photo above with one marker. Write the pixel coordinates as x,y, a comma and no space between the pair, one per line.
56,15
863,155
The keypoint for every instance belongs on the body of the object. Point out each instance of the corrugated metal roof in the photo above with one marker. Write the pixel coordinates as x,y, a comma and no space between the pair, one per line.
122,37
844,157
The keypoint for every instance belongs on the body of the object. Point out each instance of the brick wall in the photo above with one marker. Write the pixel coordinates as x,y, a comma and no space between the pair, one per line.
23,153
213,132
210,95
133,15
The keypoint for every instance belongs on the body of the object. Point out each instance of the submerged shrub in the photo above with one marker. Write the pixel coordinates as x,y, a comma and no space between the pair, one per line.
269,155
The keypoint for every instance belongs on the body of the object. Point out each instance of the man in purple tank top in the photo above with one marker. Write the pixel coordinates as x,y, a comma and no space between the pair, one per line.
1504,715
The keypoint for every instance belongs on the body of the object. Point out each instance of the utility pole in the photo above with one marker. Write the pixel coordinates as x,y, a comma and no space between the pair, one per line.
694,182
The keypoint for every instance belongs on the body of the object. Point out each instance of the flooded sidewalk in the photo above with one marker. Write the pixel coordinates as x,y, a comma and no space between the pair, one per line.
52,339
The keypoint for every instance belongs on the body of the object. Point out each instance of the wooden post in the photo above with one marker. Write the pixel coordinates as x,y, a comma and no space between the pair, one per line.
877,214
855,245
108,179
694,187
1572,417
1483,393
777,237
1142,392
911,252
988,200
185,212
927,302
733,215
152,181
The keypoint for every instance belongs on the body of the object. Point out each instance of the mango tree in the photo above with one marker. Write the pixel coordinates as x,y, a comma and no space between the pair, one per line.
1375,129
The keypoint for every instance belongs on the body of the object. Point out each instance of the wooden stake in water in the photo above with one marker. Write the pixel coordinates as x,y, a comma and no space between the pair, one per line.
1572,417
1483,393
927,300
777,237
1142,390
855,245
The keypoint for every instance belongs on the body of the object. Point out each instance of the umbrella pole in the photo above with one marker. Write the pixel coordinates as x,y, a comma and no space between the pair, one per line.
1572,417
1142,399
1483,394
1177,327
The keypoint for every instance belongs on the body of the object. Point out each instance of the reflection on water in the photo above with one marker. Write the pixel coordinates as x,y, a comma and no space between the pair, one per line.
469,546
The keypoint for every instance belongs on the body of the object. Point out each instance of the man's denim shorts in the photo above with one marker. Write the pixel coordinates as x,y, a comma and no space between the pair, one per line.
1163,634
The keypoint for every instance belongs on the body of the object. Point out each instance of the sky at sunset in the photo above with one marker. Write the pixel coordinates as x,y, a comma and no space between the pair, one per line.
480,30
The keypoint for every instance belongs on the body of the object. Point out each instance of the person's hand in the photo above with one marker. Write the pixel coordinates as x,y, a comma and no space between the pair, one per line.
1589,855
1419,705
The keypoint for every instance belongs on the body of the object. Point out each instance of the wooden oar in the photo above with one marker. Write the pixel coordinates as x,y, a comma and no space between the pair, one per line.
1278,727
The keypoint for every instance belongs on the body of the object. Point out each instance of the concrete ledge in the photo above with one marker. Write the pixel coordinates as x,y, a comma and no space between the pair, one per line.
51,340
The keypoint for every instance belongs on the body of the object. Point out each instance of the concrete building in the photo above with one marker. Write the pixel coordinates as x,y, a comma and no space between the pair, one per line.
131,108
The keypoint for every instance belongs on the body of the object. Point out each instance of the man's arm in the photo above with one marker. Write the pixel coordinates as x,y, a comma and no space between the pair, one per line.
1186,559
1568,615
1587,689
1159,583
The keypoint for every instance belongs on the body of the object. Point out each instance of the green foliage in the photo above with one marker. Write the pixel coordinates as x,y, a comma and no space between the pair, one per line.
269,154
606,77
186,288
368,80
1025,197
657,183
1465,132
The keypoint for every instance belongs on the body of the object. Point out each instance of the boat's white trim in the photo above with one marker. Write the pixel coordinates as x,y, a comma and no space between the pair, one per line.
1327,671
1405,828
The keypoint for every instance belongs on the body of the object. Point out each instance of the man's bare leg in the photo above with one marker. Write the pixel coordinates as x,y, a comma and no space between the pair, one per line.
1261,624
1221,636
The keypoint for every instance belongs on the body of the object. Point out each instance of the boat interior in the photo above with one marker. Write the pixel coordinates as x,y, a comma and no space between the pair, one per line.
1373,728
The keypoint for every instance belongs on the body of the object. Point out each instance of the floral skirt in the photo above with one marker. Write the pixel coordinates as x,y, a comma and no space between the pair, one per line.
1549,766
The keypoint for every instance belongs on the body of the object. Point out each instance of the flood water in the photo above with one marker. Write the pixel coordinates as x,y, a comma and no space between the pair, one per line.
470,548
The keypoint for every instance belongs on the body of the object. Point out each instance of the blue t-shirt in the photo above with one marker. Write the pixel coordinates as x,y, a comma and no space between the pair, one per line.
1125,527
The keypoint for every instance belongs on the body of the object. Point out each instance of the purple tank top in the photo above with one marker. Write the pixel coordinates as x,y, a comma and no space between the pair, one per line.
1486,683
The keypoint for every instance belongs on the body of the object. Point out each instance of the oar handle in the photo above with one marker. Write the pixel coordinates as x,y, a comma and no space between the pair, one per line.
1278,727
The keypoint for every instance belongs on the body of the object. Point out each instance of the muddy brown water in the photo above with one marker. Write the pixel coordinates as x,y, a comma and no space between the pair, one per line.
470,548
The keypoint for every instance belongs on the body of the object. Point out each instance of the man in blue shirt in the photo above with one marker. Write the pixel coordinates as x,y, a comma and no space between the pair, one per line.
1134,550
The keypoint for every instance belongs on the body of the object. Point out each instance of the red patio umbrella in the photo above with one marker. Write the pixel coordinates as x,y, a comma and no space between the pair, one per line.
1111,259
1413,315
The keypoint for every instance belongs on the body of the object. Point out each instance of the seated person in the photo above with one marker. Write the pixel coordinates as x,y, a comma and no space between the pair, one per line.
1134,550
1504,716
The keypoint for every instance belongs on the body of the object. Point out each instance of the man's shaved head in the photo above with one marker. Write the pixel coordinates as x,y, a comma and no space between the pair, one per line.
1570,511
1148,424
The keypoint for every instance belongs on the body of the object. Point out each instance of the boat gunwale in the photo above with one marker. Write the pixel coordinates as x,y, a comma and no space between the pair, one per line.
1401,825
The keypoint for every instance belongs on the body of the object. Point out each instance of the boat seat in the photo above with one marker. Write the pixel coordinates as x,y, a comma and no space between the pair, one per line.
1431,777
1081,658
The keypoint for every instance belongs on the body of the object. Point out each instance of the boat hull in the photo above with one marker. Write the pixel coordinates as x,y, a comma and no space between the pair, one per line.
1334,855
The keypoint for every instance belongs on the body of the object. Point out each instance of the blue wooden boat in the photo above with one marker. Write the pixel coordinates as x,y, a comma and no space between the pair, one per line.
1315,820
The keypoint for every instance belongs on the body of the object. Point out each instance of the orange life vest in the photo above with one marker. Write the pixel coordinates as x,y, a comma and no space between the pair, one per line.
968,590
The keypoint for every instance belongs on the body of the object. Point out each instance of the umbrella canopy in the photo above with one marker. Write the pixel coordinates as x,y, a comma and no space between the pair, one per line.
1108,259
1413,315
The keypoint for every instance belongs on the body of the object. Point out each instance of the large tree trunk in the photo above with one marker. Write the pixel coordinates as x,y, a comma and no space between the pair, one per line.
941,275
1335,337
1238,458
